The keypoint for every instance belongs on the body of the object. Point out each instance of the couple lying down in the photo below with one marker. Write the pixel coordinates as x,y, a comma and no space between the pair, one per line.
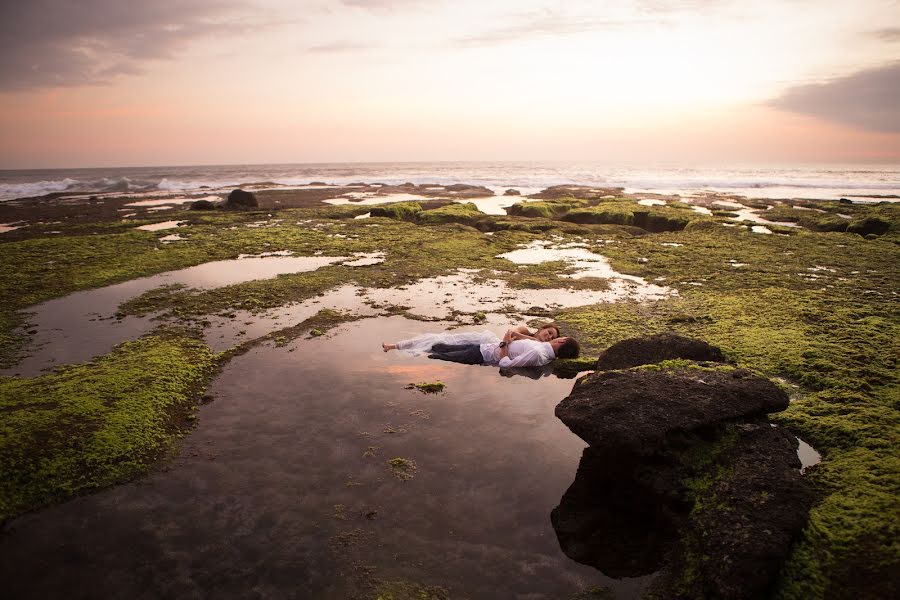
519,347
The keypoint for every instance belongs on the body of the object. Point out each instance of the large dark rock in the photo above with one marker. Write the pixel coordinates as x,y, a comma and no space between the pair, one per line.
633,411
241,199
656,348
202,205
743,523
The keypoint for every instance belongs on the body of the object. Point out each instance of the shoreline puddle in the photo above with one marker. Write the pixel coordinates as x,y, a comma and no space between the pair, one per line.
284,485
160,226
80,326
586,262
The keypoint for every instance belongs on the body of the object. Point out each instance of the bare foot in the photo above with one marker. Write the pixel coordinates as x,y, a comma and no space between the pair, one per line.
386,346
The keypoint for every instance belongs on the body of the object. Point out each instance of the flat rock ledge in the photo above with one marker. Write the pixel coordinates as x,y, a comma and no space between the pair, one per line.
684,477
634,411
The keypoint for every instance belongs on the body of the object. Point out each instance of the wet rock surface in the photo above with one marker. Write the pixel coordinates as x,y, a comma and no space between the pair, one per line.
684,476
656,348
634,411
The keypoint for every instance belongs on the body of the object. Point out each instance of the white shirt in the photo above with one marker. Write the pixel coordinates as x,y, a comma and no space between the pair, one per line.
520,353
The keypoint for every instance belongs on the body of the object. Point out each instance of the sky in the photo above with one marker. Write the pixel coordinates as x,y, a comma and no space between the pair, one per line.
169,82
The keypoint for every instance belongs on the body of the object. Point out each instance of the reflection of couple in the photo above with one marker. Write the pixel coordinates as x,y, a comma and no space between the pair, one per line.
519,347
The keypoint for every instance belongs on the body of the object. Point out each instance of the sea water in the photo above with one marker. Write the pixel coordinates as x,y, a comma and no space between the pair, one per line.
861,182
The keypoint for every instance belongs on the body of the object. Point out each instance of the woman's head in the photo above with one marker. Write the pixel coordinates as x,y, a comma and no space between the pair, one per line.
547,333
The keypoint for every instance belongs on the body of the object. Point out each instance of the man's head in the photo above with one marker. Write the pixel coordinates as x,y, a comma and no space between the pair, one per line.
565,347
547,333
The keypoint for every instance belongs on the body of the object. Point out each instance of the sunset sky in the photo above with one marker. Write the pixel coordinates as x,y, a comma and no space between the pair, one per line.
164,82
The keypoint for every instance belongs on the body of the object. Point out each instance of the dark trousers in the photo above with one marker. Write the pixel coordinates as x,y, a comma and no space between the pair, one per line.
469,354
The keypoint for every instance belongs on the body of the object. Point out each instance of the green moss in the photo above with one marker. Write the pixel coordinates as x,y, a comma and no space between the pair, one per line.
466,213
405,590
103,422
547,209
403,469
433,387
398,210
600,215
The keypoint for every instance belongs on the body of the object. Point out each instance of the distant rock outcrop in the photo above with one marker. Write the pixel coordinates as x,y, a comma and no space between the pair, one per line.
240,199
512,192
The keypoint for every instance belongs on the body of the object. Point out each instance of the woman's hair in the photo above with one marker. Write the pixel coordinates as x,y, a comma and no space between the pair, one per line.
550,326
568,349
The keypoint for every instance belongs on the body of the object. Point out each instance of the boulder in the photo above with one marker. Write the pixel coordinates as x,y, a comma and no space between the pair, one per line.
634,411
656,348
241,199
202,205
512,192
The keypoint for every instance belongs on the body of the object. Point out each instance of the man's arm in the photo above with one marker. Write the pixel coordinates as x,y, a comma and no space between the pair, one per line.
532,357
504,345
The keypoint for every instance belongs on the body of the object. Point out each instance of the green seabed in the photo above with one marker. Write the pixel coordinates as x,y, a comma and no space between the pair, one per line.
815,307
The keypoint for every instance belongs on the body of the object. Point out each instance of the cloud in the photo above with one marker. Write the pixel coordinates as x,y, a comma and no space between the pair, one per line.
379,5
891,34
867,99
338,48
549,25
677,6
46,43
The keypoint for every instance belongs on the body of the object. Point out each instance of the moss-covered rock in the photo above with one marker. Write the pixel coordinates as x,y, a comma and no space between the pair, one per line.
466,213
403,211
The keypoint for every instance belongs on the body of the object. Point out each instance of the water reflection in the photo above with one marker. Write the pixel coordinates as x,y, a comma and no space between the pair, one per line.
612,520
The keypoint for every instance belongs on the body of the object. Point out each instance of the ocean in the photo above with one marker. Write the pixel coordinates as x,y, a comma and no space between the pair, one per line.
863,182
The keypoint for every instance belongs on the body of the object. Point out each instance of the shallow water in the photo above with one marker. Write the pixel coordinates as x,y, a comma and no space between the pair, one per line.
492,205
284,489
807,455
588,264
166,201
373,198
7,227
159,226
437,297
80,326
